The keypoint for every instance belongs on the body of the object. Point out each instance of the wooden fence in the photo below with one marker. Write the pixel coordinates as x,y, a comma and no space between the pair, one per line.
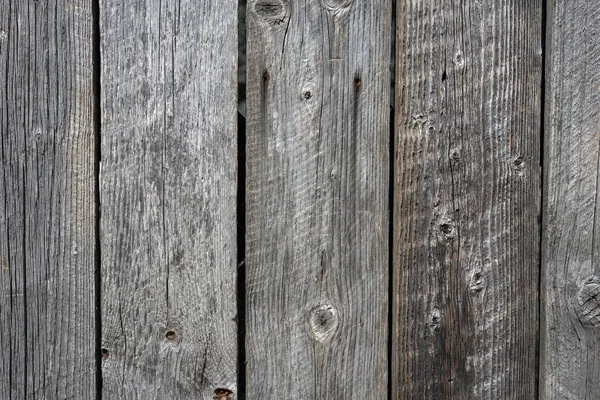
157,244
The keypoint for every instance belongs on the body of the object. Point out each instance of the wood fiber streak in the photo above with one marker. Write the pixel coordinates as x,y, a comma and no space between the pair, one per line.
168,198
570,327
47,215
467,199
317,199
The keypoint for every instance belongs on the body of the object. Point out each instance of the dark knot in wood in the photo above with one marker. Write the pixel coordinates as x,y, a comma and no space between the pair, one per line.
477,282
323,321
273,12
519,164
222,394
588,303
446,229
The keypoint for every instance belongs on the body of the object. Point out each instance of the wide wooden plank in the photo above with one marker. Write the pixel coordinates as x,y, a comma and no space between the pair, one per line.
467,199
168,198
47,189
317,198
570,346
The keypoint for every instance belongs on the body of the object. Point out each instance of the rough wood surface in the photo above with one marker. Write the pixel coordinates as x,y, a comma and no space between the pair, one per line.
47,186
168,199
317,199
467,199
570,347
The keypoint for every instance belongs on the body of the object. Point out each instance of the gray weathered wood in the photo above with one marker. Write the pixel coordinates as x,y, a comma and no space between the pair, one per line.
317,199
570,327
467,194
47,216
168,196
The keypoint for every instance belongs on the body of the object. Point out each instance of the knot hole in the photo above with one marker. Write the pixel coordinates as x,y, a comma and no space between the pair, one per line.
323,321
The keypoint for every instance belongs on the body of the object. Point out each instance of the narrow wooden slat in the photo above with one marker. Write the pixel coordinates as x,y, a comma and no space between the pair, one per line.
317,198
168,196
47,216
570,347
467,199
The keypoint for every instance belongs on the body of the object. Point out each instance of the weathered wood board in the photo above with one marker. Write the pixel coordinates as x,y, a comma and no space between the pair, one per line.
570,324
467,199
47,189
168,199
317,199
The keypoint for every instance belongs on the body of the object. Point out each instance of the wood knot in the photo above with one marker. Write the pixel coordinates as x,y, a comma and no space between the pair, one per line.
222,394
434,320
477,282
455,157
446,229
272,12
337,6
105,353
171,335
519,164
323,321
588,303
459,60
418,119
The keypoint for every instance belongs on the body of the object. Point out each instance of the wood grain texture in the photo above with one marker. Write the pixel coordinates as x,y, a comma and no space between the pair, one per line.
168,196
317,199
467,199
47,186
570,327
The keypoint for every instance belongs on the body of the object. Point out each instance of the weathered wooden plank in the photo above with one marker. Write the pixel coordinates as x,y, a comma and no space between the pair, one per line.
467,194
47,186
317,198
168,198
570,329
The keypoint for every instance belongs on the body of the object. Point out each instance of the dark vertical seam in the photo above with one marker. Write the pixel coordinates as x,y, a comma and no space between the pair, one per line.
541,201
391,186
96,72
241,225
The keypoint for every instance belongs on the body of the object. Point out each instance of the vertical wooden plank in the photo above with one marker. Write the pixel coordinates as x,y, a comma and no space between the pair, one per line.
168,197
47,186
317,198
467,194
570,347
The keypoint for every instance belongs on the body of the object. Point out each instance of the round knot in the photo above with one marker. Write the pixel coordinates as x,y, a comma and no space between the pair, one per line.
323,321
222,394
273,12
459,60
477,282
446,229
588,303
